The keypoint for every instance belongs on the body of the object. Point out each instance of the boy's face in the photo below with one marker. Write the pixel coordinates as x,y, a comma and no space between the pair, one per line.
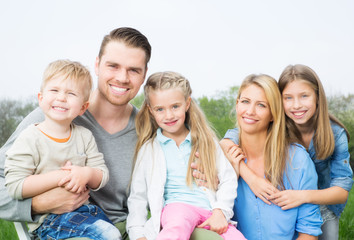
62,100
121,71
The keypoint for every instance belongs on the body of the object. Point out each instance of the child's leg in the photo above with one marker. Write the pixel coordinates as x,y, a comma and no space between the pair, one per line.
86,221
330,229
232,234
178,221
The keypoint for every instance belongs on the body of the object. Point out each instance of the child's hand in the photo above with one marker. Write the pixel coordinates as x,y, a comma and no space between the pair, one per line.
76,180
288,199
217,222
262,188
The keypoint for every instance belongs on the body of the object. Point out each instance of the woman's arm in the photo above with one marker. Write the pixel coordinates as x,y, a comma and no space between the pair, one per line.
304,236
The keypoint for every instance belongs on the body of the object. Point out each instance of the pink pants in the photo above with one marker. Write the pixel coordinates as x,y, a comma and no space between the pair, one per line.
178,221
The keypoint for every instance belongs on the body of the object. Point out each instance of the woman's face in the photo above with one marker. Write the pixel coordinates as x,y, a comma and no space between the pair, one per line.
253,111
299,101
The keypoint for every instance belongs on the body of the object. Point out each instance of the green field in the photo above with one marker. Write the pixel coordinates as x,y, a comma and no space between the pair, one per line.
346,224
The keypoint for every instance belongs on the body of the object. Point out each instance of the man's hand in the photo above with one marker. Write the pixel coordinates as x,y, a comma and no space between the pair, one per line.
58,201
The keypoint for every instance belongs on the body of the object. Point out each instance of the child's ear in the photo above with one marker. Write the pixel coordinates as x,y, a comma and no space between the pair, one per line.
40,97
189,99
84,108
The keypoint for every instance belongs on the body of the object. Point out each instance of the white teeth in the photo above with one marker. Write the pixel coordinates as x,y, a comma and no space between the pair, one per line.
118,89
298,113
249,120
59,108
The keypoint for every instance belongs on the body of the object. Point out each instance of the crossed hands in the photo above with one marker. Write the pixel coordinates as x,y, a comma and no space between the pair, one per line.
77,178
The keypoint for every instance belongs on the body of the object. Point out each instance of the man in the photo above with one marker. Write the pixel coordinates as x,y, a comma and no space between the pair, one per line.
121,68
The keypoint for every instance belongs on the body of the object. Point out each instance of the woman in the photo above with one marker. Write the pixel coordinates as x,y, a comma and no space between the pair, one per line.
266,150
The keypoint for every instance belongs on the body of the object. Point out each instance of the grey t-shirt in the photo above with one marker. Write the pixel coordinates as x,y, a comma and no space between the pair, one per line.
118,151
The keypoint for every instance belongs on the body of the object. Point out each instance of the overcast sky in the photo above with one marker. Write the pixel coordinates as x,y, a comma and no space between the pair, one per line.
214,43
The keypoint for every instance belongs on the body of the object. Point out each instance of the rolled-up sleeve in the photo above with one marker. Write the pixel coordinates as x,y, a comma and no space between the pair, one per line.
341,172
309,219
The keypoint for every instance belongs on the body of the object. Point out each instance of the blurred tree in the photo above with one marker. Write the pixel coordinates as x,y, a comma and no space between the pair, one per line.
342,107
219,110
11,114
138,100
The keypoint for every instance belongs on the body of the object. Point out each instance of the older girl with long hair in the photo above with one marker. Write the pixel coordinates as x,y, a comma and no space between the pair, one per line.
326,140
171,129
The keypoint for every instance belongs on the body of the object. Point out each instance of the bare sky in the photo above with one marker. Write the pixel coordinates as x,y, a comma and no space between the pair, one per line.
215,44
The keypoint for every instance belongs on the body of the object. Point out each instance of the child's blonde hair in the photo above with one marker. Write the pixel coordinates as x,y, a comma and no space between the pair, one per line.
69,70
203,137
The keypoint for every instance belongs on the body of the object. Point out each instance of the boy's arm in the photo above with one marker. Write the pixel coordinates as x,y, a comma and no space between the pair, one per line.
57,200
34,185
80,177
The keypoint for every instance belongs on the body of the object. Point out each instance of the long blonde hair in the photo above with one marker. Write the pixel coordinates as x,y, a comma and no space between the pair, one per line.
277,145
323,139
202,136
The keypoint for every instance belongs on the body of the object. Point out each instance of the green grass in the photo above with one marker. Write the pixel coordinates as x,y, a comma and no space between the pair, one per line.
7,230
346,223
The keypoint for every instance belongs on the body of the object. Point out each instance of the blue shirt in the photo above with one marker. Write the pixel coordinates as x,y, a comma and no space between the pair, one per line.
334,170
177,158
258,220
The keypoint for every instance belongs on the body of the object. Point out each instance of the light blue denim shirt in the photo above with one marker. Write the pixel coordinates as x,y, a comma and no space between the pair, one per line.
258,220
334,170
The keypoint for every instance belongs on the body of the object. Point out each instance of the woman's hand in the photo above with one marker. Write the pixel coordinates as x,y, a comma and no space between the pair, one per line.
217,222
288,199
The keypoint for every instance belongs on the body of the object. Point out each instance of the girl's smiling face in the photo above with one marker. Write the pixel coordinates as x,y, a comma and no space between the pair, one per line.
169,108
299,101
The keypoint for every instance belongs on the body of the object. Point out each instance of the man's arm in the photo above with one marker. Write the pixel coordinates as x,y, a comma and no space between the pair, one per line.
57,200
10,209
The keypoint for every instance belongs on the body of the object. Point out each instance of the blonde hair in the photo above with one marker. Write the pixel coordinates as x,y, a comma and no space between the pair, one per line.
69,70
323,139
277,145
202,136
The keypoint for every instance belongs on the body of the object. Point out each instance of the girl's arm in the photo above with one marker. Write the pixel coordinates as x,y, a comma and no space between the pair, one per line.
341,180
261,187
293,198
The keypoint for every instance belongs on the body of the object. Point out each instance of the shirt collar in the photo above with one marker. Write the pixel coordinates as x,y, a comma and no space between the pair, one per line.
163,139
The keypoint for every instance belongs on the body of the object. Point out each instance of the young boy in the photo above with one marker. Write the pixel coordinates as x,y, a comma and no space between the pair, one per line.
56,152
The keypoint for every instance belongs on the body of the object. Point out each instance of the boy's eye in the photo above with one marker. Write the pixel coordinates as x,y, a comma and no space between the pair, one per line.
53,90
175,106
72,93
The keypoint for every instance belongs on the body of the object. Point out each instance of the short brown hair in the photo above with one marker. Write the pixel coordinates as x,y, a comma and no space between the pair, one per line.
129,36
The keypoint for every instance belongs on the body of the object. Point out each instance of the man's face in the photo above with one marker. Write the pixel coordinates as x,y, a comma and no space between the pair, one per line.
120,71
